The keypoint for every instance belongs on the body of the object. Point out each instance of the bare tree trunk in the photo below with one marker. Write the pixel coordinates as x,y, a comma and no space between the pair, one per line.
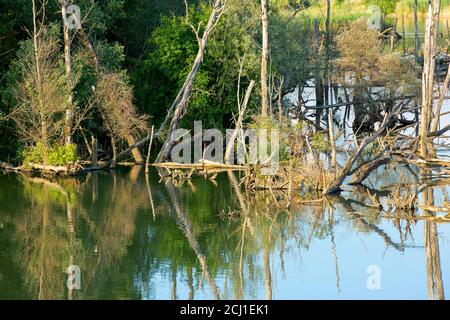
181,106
403,35
428,73
416,33
335,186
137,155
264,57
393,35
113,162
437,114
68,62
91,48
94,152
36,32
147,161
327,65
332,138
230,145
36,45
317,77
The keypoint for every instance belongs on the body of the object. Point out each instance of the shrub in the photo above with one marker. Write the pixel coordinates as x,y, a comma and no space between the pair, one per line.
55,155
319,142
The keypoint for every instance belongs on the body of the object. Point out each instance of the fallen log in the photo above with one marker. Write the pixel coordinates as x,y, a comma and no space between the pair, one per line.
8,167
203,164
69,169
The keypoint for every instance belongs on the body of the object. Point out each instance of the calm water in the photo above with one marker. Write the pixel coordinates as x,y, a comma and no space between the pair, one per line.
208,240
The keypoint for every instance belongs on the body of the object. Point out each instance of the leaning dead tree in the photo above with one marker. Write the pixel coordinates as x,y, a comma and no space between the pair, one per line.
114,98
179,106
335,186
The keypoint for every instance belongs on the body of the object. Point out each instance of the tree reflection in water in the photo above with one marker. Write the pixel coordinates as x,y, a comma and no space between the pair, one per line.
135,237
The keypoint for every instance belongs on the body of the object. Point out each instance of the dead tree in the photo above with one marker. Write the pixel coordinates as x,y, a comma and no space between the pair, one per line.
238,126
128,133
182,100
68,63
429,55
264,57
416,33
335,186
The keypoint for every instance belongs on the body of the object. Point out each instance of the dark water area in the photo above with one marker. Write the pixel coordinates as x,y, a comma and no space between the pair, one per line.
136,237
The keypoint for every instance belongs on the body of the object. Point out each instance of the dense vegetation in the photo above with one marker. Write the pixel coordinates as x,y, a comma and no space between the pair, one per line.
148,49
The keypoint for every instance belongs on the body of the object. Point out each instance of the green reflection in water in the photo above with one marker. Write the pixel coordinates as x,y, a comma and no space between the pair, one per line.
135,237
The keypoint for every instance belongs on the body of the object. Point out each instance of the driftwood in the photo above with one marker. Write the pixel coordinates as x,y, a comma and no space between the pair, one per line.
69,169
203,164
8,167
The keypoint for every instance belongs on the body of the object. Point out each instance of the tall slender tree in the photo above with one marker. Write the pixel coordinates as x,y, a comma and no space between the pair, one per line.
429,55
264,57
68,63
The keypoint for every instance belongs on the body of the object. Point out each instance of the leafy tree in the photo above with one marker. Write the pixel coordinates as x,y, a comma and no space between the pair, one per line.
386,6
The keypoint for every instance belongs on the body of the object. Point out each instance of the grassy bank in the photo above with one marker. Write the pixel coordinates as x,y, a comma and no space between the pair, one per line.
348,10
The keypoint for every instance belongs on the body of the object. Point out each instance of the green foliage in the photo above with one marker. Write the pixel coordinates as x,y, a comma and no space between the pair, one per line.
173,48
62,155
55,155
422,5
386,6
319,142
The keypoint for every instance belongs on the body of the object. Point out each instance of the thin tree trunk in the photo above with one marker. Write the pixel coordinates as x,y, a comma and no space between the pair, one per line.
147,161
68,62
393,35
230,144
36,33
403,35
113,162
264,57
317,77
137,155
327,65
94,152
332,139
428,73
416,33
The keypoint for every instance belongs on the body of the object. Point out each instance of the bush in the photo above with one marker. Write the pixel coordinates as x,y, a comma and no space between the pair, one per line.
55,155
319,142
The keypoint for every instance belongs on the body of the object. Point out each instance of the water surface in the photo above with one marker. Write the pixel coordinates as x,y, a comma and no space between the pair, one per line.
135,238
